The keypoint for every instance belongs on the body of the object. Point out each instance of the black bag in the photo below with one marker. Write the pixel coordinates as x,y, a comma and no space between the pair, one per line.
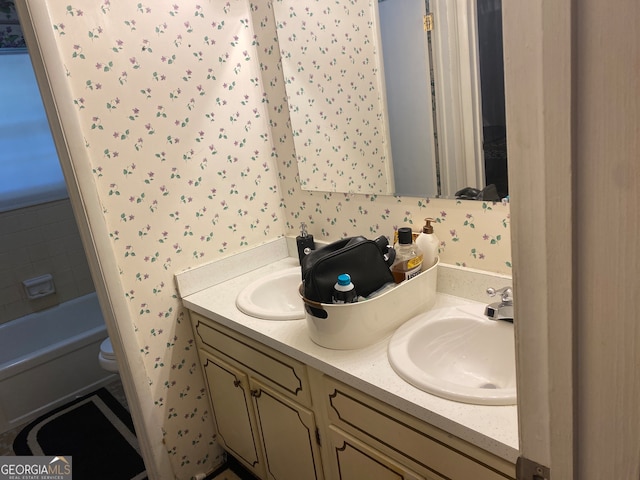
366,261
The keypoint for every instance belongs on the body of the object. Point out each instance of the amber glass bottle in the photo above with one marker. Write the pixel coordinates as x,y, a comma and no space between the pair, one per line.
408,262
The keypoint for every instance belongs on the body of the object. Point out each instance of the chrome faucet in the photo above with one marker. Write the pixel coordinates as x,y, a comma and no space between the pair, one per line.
502,310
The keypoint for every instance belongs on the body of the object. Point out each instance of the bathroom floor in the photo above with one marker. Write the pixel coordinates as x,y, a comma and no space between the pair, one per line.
6,441
6,438
115,388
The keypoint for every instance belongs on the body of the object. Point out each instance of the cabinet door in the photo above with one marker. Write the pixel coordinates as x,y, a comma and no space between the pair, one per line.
232,412
354,460
288,435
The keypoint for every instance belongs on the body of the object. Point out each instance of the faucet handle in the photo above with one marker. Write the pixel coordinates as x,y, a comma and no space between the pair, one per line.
506,293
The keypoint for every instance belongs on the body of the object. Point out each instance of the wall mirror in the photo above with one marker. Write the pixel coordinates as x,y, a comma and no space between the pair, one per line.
381,105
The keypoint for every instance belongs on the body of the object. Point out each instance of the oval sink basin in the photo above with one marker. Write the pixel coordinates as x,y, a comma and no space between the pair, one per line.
273,297
458,354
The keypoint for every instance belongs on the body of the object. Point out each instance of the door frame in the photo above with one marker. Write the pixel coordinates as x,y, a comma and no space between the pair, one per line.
539,51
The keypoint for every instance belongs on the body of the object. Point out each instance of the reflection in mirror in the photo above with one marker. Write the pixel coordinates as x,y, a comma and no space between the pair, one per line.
462,60
334,86
492,91
337,89
407,73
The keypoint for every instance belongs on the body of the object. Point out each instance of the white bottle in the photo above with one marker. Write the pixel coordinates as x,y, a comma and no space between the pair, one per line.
344,291
429,244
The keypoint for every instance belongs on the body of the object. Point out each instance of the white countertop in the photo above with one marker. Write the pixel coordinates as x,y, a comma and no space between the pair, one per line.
493,428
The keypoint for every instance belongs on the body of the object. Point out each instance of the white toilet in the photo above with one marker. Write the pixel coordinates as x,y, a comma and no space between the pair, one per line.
107,358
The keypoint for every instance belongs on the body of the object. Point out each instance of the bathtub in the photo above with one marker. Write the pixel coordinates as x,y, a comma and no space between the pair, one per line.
48,358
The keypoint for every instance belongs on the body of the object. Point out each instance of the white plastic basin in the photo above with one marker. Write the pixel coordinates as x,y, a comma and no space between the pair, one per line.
459,354
273,297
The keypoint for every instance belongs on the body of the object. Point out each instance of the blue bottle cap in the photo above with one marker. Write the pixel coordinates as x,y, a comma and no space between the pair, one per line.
344,279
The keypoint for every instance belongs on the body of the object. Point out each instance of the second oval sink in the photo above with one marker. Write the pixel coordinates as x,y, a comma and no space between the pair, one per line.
273,297
457,354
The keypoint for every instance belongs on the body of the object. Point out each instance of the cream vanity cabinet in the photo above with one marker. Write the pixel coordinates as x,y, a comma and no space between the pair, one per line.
284,420
261,404
366,435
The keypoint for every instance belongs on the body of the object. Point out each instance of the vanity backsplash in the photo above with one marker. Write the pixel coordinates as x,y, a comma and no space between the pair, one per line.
472,234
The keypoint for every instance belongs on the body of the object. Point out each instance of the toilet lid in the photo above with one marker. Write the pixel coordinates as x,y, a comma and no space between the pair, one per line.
106,349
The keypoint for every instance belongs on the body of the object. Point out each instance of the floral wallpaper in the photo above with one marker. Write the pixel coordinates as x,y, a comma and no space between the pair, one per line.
330,60
175,122
10,30
184,115
472,234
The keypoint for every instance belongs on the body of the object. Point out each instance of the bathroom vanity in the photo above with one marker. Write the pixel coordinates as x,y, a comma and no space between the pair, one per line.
288,408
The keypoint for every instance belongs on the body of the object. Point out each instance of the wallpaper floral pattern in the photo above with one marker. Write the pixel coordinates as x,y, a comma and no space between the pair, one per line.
174,118
184,115
10,30
330,59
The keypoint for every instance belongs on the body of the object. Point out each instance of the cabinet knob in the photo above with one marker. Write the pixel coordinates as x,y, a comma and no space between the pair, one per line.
236,383
256,393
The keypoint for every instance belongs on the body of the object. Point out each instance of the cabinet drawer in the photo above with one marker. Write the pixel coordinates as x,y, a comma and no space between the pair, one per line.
404,437
286,375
